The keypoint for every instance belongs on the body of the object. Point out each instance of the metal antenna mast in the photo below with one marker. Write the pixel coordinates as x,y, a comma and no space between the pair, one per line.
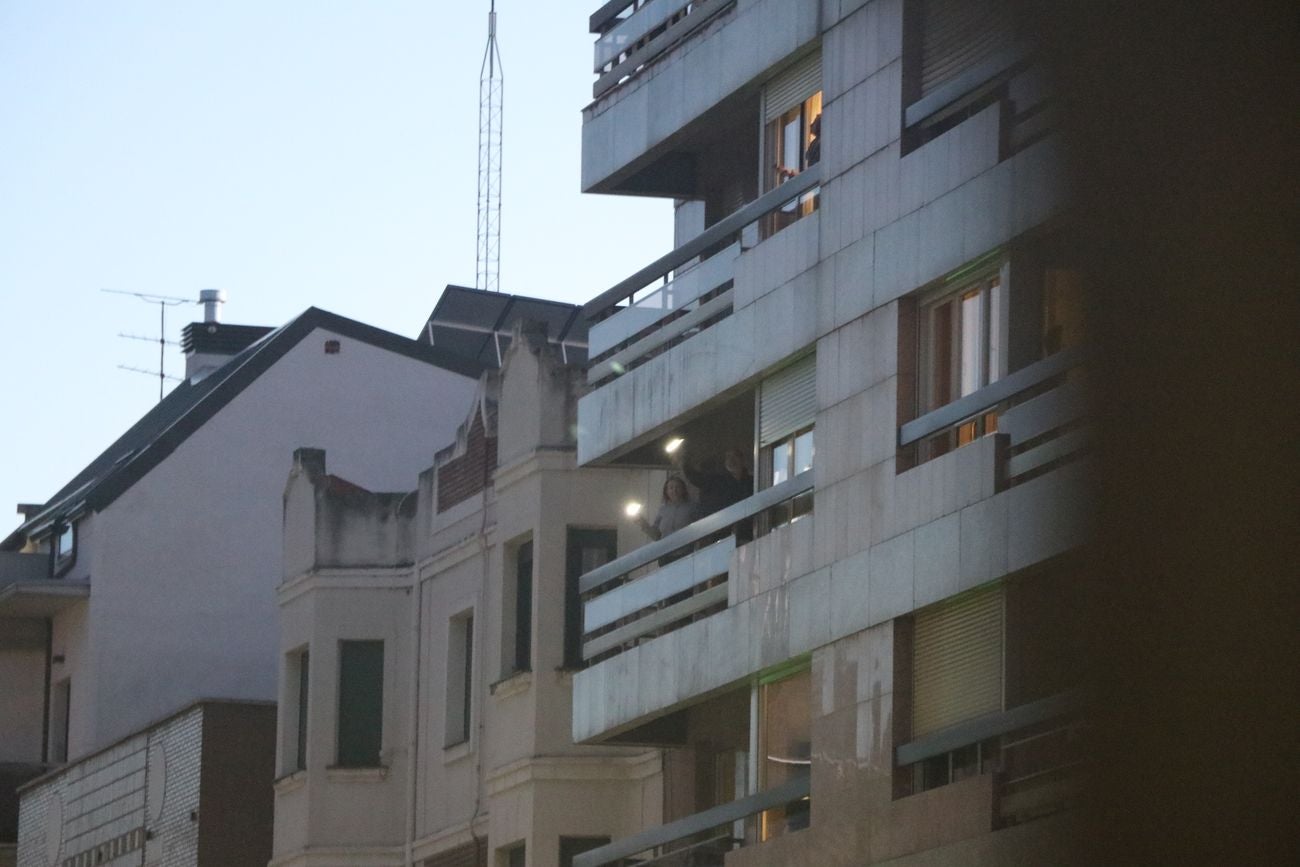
488,252
163,302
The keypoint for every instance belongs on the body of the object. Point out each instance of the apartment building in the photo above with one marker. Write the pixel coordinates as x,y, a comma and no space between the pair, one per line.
429,637
874,307
147,583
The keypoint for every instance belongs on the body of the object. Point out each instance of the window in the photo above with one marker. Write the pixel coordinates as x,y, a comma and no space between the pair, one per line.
297,669
63,548
571,847
963,349
460,679
792,135
786,411
361,703
584,550
785,746
513,856
60,719
517,610
957,56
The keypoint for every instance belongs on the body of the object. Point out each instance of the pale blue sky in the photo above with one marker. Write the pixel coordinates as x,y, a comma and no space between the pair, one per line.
292,153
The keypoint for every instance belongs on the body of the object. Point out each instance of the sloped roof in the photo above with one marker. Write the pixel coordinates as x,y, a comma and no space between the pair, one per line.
188,406
477,324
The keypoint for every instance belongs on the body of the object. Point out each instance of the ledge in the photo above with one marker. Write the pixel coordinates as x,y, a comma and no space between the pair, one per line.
512,684
290,782
337,774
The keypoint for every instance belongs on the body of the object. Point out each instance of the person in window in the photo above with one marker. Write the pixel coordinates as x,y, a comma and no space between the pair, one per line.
675,511
813,154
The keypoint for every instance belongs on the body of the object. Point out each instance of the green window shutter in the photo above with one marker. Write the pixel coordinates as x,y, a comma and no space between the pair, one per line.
361,703
957,661
958,34
793,86
788,400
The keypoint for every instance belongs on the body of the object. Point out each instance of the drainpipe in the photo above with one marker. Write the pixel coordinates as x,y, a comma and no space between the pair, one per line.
413,742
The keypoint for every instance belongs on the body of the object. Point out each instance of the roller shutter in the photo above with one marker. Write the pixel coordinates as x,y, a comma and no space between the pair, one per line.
957,661
958,34
788,400
793,86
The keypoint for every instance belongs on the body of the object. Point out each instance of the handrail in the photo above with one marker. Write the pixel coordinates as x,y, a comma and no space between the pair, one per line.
791,790
729,225
700,13
694,532
987,726
606,13
624,33
994,393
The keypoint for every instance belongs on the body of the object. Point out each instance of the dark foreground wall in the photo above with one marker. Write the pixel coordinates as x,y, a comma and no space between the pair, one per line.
235,797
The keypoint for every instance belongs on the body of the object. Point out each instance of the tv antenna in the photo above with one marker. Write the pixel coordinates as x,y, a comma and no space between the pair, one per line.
490,85
163,302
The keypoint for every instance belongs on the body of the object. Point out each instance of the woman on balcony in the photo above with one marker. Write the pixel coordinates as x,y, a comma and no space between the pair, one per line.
675,511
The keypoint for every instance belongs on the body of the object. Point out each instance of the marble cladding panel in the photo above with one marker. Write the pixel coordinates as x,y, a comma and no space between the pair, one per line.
850,605
1048,515
864,37
848,283
771,560
937,554
810,611
891,577
777,260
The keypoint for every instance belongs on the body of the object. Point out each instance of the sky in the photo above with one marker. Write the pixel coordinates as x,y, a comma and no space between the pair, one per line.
292,153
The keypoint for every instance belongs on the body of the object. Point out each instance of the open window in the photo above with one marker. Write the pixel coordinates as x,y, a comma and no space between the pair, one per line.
63,548
792,110
297,669
585,550
460,680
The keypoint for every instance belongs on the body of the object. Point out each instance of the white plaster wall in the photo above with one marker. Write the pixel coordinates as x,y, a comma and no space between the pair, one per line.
188,559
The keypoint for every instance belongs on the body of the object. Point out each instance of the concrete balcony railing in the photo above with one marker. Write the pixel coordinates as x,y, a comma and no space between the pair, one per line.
687,579
632,321
633,33
702,839
1040,409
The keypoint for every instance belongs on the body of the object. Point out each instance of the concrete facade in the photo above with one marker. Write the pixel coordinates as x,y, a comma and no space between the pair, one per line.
909,203
411,570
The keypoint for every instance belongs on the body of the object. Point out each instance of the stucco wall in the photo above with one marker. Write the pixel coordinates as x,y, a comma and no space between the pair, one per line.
188,559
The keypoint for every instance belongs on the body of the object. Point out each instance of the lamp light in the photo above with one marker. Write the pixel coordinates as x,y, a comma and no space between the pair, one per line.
673,444
632,509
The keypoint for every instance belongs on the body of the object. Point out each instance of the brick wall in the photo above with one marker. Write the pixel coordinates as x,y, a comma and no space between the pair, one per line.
140,794
465,475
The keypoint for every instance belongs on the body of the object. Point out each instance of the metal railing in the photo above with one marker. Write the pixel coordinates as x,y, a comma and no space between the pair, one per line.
621,607
633,33
718,819
1038,408
628,322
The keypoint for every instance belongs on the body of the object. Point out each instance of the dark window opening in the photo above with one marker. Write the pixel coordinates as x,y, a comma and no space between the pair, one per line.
361,703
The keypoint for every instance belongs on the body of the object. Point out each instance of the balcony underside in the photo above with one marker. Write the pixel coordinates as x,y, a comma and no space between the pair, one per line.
41,599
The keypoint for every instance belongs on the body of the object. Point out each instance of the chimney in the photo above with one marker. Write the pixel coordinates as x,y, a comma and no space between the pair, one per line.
212,299
211,343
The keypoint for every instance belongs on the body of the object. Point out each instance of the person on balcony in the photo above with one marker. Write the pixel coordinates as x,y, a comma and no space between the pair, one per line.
675,511
719,490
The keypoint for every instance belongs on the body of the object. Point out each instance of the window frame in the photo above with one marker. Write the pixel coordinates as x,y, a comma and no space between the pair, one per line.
574,569
458,721
61,561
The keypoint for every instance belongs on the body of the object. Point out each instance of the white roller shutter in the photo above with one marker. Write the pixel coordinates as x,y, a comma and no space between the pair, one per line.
788,400
957,661
793,86
957,34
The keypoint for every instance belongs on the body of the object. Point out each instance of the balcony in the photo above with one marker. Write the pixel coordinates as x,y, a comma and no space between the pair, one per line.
1039,409
668,584
635,320
701,840
1033,752
26,590
632,34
